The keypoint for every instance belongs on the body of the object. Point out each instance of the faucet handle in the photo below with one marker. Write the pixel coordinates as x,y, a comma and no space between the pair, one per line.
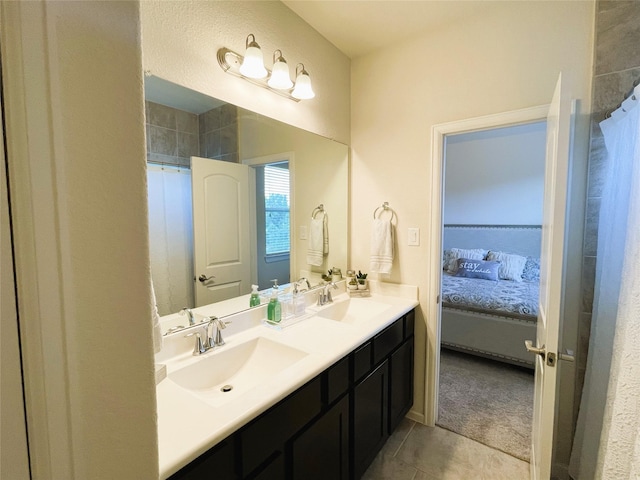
216,340
199,346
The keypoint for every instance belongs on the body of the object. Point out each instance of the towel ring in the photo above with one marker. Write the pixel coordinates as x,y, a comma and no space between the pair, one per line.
318,209
385,208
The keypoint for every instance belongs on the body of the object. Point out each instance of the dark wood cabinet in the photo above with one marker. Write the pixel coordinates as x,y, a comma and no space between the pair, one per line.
321,452
329,429
370,414
217,463
400,383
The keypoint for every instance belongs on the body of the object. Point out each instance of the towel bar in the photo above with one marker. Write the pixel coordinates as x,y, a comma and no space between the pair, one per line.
385,207
318,209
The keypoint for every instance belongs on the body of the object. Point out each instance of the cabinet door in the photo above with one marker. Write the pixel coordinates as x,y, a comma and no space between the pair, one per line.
370,417
217,463
274,470
322,451
401,384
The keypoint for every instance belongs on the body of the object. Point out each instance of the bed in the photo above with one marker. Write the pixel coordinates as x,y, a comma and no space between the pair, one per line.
491,318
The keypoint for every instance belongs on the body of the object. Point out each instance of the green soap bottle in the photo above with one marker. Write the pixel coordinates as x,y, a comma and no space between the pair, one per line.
274,309
254,300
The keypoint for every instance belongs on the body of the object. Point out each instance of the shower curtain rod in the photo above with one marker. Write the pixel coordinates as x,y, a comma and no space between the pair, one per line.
634,94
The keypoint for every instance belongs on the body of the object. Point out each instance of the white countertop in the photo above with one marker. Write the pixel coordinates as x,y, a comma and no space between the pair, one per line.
188,426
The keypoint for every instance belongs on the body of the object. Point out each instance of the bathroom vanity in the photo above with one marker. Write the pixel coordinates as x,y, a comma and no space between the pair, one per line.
324,416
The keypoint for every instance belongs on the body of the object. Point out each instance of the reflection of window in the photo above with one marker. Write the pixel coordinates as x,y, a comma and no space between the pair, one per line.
276,211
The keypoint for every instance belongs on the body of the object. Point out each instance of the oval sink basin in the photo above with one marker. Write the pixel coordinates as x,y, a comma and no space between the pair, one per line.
224,375
353,310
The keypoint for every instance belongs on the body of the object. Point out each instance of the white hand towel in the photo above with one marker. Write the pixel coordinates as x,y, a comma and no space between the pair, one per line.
318,241
381,246
155,322
315,253
325,235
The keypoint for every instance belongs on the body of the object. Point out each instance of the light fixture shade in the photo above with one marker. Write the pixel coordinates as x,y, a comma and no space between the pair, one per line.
302,90
253,63
280,79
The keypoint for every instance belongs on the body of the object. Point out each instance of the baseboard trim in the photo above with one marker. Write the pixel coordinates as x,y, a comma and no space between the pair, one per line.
416,416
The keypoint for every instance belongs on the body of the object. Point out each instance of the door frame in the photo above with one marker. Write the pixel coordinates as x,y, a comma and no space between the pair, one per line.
265,160
434,269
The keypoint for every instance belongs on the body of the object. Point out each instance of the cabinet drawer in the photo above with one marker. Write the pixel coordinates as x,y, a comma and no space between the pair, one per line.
362,361
336,381
387,340
268,432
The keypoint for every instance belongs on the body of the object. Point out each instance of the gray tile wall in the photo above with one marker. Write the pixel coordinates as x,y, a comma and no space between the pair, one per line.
616,69
219,133
173,135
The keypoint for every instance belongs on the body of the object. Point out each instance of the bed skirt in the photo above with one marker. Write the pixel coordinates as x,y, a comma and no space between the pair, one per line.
497,337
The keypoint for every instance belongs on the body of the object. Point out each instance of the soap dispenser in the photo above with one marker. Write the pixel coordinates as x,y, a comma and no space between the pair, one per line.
299,303
274,309
254,300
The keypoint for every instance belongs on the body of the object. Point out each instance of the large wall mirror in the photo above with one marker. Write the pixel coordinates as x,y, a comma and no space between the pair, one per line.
232,195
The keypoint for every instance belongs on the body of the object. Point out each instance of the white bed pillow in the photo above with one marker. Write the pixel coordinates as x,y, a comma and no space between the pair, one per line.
511,265
451,258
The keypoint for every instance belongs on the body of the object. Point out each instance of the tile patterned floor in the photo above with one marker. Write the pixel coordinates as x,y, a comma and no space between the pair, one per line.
417,452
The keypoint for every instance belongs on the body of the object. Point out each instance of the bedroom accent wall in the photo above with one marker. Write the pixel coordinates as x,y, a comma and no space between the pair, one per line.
495,177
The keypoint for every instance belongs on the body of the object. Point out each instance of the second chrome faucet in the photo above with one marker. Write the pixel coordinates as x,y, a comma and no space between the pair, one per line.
324,295
210,340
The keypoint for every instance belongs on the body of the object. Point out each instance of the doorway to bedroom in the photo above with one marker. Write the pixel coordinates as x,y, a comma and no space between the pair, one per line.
492,213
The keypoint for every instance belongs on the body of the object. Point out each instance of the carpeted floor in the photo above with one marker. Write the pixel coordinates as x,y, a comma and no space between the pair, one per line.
488,401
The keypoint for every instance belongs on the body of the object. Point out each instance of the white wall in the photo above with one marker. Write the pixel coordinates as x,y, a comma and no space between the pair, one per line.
495,177
504,60
72,74
320,175
181,38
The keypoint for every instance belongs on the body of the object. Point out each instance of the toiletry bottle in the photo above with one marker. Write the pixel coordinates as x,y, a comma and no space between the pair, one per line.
274,312
254,301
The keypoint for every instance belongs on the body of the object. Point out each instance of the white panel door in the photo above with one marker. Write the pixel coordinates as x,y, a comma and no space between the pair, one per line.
551,280
221,230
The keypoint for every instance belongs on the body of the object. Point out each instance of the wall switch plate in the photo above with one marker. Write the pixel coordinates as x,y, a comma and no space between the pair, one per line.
303,232
414,237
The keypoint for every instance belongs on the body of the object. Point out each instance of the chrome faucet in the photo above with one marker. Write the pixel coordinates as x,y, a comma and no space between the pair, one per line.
206,341
217,340
297,284
324,296
187,311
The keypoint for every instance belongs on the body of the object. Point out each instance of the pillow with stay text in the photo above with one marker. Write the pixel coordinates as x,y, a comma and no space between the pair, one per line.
483,269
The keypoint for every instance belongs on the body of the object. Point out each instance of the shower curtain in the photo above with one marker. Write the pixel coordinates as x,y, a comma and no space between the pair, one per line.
607,440
171,237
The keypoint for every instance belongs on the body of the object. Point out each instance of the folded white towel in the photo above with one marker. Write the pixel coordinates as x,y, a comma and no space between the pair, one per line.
381,246
318,241
155,322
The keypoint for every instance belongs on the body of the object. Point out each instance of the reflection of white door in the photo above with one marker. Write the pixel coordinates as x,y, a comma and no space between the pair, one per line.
221,229
551,280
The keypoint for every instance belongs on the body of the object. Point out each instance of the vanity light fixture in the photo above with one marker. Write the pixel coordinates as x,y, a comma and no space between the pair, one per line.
251,68
280,79
302,90
253,63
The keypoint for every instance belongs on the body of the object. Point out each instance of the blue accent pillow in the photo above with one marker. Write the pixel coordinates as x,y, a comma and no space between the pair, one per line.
531,272
484,269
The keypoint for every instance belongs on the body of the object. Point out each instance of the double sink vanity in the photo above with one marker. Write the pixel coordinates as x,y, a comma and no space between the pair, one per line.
315,398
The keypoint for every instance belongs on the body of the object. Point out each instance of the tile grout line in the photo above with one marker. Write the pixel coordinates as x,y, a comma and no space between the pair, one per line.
404,440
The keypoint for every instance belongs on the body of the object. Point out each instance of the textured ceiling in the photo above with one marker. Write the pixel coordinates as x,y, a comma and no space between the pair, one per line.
359,27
